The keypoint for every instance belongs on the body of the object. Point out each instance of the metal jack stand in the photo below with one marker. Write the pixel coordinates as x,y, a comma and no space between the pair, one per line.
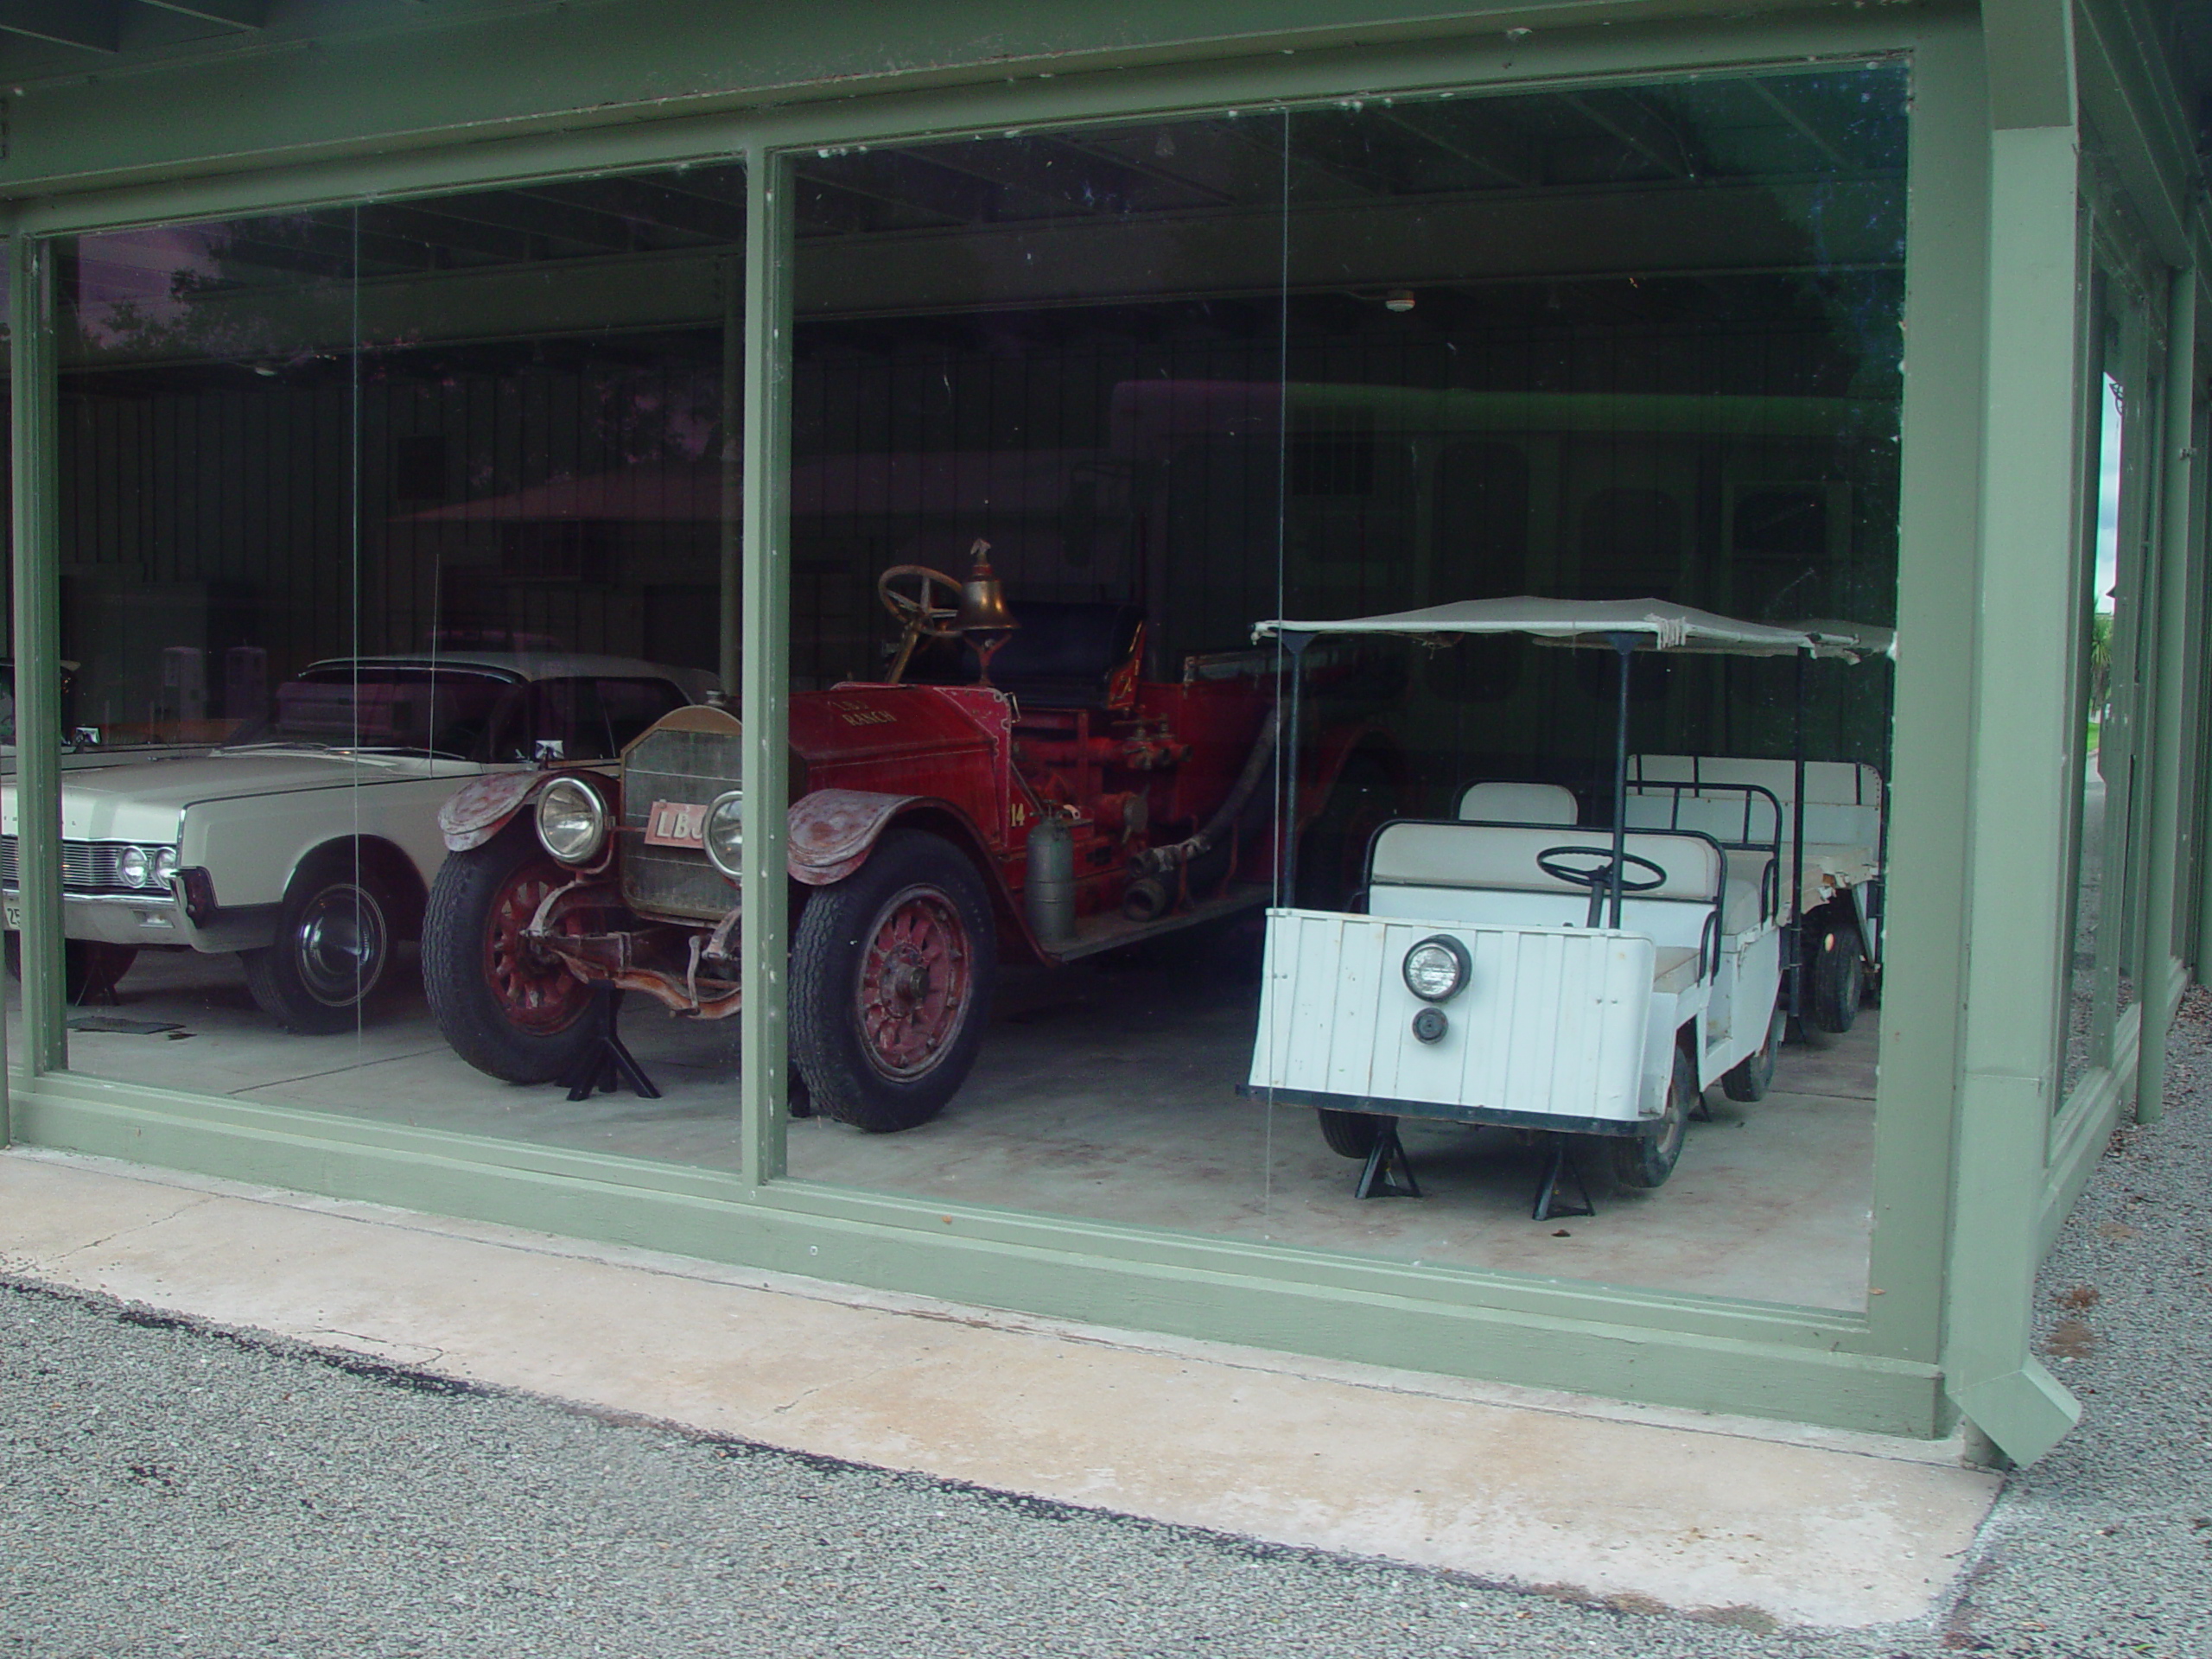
608,1064
1547,1206
1390,1173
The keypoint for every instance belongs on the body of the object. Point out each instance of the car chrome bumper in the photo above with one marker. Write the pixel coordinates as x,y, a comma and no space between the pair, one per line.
151,918
113,918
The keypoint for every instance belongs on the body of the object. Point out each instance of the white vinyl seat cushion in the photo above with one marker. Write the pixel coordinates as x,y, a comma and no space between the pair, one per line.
1674,969
1739,912
1503,857
1509,803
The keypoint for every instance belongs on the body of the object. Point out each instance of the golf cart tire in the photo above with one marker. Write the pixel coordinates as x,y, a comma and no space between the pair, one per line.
1753,1076
1352,1134
1640,1162
1837,973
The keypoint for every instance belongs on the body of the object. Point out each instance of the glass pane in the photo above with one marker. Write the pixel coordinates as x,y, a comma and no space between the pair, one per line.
373,515
2088,1032
1184,377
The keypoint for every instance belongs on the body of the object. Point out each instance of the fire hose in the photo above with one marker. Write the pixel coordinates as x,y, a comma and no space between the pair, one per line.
1147,894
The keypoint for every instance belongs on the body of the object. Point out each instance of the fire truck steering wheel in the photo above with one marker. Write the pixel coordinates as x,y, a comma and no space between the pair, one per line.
908,592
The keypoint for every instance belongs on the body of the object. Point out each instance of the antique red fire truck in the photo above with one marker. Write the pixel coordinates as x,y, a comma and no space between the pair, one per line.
1058,806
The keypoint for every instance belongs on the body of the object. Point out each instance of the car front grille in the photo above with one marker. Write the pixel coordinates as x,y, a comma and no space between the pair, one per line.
87,867
675,765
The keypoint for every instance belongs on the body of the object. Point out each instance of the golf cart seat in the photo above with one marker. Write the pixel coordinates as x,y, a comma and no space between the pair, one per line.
1745,818
1504,803
1843,810
1488,873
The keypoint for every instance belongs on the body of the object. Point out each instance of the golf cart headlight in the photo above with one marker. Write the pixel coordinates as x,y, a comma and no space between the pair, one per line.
726,832
1437,968
571,820
133,866
164,865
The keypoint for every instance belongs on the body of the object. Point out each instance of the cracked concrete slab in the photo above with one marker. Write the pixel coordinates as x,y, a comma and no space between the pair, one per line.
1809,1527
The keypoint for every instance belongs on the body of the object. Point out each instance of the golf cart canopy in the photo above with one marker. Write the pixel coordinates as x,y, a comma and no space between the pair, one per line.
1652,624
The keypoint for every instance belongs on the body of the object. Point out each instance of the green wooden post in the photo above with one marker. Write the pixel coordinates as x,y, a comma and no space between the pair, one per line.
765,662
2024,717
34,421
2176,577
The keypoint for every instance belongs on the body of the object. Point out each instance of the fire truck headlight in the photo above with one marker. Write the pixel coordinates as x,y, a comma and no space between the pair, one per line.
1436,968
725,833
571,820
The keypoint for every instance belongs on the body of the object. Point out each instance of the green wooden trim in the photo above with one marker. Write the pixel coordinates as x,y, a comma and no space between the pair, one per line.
36,441
765,629
1387,1316
991,99
2169,694
610,63
2028,588
2127,96
1932,762
2030,50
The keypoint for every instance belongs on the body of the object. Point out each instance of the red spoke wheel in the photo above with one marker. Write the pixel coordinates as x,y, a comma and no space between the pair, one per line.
507,1007
915,983
535,991
892,972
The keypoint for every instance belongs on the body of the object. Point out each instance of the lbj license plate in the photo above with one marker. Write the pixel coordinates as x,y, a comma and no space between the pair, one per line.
676,824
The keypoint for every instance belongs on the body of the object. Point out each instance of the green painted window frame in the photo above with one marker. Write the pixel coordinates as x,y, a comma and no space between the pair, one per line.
1871,1368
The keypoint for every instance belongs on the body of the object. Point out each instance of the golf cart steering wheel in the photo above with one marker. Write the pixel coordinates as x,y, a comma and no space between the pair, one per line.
1549,861
1598,877
910,592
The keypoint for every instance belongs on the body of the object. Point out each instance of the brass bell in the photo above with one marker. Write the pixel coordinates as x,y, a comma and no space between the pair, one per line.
984,619
983,599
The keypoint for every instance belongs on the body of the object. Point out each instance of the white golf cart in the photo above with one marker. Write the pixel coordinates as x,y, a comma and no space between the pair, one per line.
1834,822
1512,968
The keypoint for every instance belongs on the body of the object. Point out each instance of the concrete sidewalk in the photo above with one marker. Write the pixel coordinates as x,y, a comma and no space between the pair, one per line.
1647,1506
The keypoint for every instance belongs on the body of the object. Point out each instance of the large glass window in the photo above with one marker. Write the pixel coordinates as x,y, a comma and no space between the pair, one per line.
370,514
2105,899
1075,410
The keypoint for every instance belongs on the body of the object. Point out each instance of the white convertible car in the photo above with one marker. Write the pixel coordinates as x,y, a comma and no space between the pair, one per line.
308,843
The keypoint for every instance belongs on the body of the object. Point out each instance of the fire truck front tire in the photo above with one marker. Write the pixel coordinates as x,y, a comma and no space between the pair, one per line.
892,975
505,1008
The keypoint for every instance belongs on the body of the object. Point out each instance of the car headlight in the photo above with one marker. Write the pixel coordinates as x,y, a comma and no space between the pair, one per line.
133,866
571,820
1437,968
726,832
164,865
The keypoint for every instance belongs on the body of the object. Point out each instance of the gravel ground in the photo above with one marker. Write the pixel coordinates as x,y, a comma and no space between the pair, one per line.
175,1490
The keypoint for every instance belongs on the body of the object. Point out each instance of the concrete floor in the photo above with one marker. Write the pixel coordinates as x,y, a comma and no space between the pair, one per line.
1106,1091
1755,1524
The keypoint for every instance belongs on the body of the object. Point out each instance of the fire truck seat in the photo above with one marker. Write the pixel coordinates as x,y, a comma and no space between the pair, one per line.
1064,655
1503,802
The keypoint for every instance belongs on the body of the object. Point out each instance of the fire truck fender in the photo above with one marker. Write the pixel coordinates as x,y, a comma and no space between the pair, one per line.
832,831
482,807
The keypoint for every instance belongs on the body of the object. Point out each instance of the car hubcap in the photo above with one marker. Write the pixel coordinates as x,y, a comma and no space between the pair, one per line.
341,943
913,984
535,991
